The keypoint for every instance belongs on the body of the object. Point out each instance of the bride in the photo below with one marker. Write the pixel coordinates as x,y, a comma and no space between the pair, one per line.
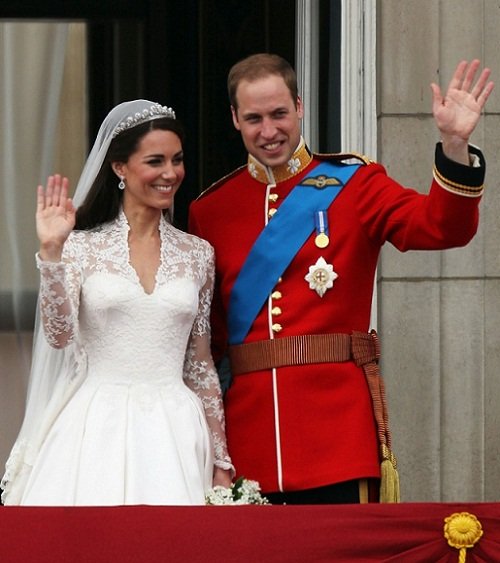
124,404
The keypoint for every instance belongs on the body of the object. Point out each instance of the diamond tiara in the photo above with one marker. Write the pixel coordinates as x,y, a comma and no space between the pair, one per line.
154,112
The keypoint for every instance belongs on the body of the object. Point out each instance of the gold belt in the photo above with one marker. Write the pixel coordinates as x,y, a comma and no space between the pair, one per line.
359,347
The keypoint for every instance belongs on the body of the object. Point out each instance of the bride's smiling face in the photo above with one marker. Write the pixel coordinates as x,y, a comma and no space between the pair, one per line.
154,172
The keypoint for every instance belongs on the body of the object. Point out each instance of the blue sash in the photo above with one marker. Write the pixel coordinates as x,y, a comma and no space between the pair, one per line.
279,242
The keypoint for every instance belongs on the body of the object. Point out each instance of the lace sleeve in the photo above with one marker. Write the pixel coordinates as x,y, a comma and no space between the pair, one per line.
200,374
59,299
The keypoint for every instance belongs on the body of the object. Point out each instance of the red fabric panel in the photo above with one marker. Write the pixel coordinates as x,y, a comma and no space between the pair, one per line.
408,533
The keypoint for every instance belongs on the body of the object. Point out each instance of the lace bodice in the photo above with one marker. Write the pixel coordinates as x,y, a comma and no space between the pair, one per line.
93,300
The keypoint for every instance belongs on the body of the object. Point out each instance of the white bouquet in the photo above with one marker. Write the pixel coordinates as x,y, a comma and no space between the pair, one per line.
242,491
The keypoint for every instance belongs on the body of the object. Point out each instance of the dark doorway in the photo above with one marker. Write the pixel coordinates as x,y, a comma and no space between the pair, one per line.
177,53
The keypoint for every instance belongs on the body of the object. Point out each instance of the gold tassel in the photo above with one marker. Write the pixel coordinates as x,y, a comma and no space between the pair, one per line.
389,483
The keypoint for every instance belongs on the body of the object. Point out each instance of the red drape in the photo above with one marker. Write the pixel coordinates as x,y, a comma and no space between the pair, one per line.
403,533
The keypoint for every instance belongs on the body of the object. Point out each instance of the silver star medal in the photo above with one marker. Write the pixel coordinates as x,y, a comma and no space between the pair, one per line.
321,276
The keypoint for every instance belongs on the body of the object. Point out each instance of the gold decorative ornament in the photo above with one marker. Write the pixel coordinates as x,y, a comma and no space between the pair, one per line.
321,240
320,181
462,530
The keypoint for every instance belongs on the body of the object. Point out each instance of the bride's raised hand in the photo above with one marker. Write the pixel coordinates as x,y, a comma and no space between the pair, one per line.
55,217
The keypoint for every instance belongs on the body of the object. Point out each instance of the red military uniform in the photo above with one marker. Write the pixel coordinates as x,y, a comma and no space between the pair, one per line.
305,426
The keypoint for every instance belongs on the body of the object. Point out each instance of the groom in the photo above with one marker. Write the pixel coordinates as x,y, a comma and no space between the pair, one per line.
297,236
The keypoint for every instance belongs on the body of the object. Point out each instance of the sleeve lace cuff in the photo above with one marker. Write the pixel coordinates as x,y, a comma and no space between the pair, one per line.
226,465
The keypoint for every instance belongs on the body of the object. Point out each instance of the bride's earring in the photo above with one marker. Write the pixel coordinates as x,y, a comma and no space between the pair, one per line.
121,183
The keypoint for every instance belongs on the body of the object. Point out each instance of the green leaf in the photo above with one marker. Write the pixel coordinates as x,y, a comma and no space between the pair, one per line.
237,486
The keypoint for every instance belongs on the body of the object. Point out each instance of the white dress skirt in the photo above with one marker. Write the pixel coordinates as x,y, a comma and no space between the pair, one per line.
144,425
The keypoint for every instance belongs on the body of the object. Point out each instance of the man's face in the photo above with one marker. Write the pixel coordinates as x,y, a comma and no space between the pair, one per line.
268,119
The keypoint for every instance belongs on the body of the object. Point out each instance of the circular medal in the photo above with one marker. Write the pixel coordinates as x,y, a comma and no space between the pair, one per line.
321,240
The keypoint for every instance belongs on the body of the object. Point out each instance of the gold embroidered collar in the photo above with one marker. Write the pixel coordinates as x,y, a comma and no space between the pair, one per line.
273,175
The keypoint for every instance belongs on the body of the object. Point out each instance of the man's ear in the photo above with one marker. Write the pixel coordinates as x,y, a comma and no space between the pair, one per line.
234,113
300,107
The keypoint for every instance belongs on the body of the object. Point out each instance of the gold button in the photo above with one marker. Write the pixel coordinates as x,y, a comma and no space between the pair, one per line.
271,212
273,197
276,311
276,295
277,327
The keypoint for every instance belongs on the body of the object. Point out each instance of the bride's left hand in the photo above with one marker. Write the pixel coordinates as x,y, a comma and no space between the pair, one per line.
222,477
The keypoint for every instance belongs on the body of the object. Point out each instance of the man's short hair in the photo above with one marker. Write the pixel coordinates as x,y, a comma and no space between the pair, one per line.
258,66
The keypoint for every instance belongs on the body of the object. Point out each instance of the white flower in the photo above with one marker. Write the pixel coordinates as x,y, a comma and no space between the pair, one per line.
219,495
293,165
243,491
321,276
252,170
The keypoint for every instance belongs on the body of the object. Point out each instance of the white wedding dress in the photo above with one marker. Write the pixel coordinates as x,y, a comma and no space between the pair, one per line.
144,424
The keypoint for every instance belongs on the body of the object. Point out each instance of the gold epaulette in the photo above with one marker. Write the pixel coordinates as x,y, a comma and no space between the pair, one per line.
344,156
220,181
